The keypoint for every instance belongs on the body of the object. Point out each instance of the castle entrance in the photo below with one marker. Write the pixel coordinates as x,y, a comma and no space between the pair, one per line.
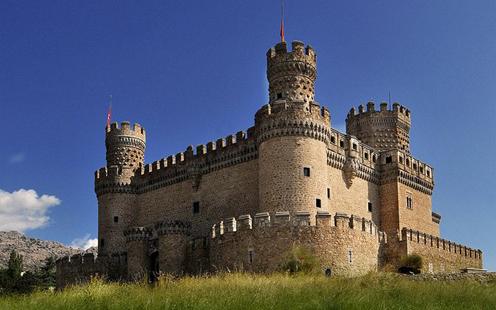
154,268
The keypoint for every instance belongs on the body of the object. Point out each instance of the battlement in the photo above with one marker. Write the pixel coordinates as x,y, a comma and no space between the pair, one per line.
299,52
426,240
242,142
284,108
298,219
397,110
125,129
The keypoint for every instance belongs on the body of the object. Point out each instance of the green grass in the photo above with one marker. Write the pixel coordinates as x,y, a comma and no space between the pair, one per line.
243,291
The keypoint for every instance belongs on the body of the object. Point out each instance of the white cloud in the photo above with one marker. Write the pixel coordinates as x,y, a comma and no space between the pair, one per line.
17,158
23,209
84,243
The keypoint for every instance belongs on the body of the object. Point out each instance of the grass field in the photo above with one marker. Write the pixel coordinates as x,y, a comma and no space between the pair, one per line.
242,291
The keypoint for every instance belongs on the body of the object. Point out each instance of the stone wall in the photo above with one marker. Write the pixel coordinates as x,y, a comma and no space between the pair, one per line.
353,199
439,255
223,192
347,245
419,216
78,269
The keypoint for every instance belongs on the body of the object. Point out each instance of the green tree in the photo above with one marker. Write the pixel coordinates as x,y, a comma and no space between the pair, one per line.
14,268
46,274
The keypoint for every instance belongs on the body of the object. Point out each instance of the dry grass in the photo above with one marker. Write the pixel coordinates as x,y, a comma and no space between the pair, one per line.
278,291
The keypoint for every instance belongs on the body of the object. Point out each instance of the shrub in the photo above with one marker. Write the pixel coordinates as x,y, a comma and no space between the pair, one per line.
411,264
299,259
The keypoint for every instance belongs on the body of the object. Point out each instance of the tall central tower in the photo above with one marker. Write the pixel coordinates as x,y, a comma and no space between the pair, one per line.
291,75
292,133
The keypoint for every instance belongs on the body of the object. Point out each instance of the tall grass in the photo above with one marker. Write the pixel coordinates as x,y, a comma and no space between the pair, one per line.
244,291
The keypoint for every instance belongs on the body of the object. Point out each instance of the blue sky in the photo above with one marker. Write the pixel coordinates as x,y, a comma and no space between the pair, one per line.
194,71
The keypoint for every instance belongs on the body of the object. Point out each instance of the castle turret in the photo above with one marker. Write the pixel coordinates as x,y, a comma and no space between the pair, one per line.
384,129
116,198
125,147
292,74
292,132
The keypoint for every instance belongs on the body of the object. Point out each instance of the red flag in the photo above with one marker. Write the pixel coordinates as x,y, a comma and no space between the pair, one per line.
282,31
109,115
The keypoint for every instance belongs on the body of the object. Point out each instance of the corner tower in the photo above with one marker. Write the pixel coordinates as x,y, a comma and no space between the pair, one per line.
125,147
292,133
384,129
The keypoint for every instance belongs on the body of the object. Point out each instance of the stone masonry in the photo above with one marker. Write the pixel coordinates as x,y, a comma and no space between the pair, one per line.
359,201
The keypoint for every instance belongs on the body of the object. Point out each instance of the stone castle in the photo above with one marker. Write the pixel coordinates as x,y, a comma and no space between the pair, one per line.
359,201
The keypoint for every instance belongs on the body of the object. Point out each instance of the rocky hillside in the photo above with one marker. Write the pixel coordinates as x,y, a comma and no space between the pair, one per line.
34,251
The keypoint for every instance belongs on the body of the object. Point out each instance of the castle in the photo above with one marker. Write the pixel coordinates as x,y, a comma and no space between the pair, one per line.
359,201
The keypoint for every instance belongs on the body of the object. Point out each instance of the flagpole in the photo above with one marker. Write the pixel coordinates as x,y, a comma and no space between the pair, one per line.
109,112
281,32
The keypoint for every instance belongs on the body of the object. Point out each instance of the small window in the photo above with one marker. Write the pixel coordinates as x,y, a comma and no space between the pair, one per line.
116,219
421,169
414,166
389,159
306,171
279,95
428,173
366,155
102,242
355,146
350,256
401,160
409,202
333,140
329,193
374,159
341,143
318,203
369,206
408,162
196,207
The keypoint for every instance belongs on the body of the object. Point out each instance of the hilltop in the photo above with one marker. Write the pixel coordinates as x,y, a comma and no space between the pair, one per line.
34,251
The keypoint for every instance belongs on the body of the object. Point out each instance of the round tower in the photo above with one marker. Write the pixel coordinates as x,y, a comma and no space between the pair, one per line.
385,129
291,75
125,147
292,133
113,185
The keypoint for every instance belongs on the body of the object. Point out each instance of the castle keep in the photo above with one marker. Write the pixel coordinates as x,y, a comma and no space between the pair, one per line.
359,201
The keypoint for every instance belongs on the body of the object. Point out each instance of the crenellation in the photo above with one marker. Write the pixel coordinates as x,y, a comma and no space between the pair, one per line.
281,218
301,218
189,154
201,150
262,219
436,242
244,222
230,225
323,218
179,158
